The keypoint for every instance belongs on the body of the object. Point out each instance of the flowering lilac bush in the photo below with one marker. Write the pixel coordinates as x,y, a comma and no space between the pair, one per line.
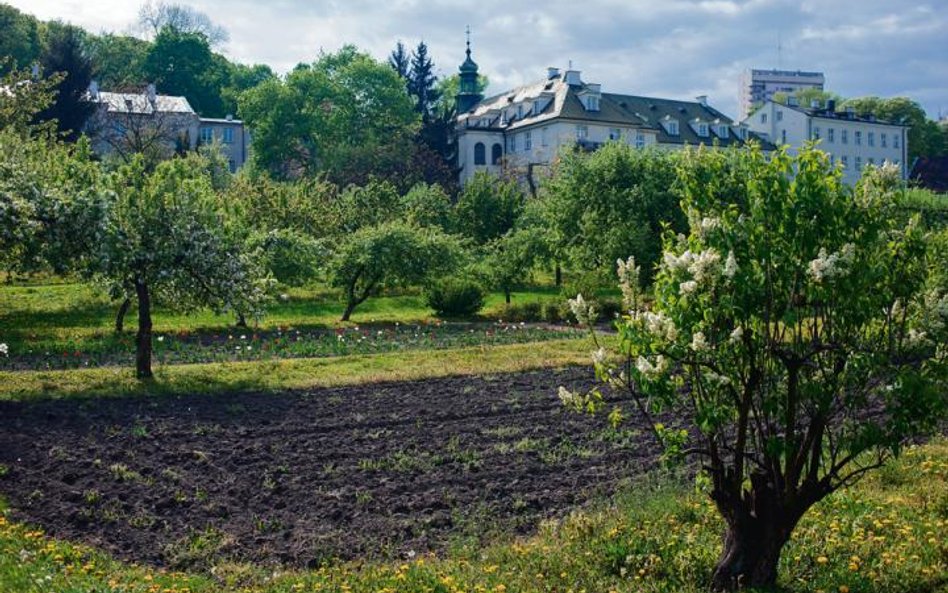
793,328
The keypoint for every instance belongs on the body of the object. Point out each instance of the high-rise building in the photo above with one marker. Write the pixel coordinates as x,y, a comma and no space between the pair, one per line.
759,86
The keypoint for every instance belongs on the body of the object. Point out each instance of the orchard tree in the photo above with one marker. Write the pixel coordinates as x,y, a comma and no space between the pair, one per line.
487,208
390,254
508,260
611,204
163,240
791,329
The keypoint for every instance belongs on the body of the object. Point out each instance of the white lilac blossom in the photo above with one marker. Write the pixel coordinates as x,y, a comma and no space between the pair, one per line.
916,338
583,311
698,342
659,324
4,350
704,265
599,356
566,396
831,265
649,369
715,379
730,265
736,335
678,262
709,224
628,279
687,287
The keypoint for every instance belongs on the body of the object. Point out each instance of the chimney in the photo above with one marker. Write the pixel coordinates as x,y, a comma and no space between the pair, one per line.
831,105
94,90
229,117
152,94
35,71
702,99
552,73
792,101
572,78
850,112
814,103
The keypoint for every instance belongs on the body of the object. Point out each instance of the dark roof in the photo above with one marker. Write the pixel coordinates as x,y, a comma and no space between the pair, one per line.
931,173
824,113
619,110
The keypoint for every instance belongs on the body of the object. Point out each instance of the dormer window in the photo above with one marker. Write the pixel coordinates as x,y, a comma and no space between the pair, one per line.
519,111
723,132
671,126
592,103
702,129
537,107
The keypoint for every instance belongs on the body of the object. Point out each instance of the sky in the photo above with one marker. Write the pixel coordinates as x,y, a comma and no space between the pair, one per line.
665,48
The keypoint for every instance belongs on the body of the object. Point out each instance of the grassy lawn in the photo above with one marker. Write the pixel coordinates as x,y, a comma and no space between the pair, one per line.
71,316
658,535
274,375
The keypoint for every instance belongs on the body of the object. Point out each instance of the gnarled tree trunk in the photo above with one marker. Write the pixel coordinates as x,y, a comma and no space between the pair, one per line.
143,338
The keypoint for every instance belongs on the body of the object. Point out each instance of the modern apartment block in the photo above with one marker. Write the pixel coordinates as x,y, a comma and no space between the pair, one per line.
852,140
759,86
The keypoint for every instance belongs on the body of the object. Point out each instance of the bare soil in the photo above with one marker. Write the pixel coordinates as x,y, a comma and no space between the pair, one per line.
305,477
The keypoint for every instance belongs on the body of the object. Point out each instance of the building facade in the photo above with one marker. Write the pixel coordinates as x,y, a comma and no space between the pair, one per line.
854,141
520,132
759,86
230,135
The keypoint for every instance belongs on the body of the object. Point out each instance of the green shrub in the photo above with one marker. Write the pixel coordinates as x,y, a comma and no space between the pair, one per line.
529,311
455,298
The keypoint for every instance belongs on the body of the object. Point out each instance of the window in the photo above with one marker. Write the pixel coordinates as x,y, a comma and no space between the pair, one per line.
778,115
615,133
830,135
528,141
763,118
895,141
783,136
543,137
519,111
537,107
582,132
592,103
871,139
844,136
858,163
872,161
845,160
671,127
723,132
857,137
703,130
480,157
884,140
496,153
512,144
816,133
207,135
640,140
228,135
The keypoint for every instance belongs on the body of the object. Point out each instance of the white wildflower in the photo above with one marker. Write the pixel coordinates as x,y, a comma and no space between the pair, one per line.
566,396
583,311
730,265
4,350
679,262
916,338
709,224
736,335
698,342
687,287
161,338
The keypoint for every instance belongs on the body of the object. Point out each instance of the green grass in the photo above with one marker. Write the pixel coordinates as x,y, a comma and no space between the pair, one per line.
59,316
885,534
278,375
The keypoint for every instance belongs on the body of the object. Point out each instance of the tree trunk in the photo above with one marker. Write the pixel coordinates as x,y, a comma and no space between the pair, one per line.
241,320
350,307
559,275
120,316
143,338
507,296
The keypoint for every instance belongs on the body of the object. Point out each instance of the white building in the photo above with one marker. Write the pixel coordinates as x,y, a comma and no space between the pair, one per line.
758,86
852,140
520,132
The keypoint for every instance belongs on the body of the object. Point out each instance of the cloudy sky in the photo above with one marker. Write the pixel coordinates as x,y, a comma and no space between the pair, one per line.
667,48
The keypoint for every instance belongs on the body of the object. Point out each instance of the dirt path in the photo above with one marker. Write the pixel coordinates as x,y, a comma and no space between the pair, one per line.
301,477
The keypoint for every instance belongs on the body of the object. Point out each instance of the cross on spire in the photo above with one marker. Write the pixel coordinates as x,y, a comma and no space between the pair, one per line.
467,32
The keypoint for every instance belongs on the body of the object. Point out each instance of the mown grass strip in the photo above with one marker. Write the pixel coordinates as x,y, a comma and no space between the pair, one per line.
276,375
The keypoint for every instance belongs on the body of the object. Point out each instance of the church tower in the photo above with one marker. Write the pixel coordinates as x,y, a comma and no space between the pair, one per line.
468,95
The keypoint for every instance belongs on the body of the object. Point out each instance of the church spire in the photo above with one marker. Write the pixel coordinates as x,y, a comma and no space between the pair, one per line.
468,94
